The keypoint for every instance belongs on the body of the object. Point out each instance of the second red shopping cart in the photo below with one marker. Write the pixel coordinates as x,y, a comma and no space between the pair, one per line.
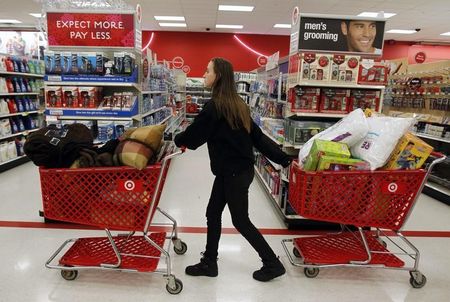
382,200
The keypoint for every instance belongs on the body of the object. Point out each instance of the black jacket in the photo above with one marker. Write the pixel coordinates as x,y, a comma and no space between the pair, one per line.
230,151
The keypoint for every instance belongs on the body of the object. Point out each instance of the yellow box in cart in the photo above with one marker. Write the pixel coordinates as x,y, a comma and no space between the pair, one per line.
409,154
324,148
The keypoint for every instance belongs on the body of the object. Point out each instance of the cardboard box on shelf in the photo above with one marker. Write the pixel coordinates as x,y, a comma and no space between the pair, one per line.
324,148
409,154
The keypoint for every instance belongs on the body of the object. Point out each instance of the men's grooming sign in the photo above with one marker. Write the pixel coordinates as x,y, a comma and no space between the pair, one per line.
343,34
86,29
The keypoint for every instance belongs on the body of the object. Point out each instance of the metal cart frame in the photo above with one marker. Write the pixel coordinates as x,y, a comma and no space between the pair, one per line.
113,252
361,248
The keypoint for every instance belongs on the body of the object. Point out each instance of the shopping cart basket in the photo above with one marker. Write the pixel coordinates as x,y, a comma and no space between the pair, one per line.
380,200
112,198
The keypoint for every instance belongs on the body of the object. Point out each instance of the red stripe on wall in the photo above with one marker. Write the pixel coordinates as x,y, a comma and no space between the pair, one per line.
202,230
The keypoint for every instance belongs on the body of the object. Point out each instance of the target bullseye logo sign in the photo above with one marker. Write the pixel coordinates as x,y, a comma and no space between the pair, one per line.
128,185
392,187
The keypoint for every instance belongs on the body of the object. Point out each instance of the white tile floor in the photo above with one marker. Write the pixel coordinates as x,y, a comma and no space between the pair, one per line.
24,250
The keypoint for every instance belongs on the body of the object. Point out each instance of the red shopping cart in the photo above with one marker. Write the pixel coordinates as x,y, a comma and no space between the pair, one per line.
381,200
115,199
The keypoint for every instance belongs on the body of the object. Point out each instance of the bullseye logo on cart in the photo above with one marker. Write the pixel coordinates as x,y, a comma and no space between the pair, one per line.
128,185
390,187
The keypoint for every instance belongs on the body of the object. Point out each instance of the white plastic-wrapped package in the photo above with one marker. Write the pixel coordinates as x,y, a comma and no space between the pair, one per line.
380,141
349,130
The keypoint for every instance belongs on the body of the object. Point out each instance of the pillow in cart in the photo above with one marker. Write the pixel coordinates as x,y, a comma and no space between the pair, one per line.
138,145
132,153
151,136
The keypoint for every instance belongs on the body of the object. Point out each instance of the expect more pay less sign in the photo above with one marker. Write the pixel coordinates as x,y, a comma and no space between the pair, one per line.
84,29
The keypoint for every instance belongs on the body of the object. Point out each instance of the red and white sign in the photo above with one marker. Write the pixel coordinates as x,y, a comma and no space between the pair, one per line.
186,69
177,62
420,57
130,185
262,60
84,29
393,187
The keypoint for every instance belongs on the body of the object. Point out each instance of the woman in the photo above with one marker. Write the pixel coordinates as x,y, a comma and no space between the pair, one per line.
226,126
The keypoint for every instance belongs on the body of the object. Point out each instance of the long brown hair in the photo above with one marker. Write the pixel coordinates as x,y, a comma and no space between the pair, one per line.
228,102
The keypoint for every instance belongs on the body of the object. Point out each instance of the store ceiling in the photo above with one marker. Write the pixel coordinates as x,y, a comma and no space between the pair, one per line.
431,17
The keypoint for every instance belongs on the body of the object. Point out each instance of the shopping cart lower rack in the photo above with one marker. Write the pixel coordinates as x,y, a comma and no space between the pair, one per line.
375,203
113,198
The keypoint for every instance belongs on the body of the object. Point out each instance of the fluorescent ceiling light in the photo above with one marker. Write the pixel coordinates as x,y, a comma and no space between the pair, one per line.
9,21
445,34
236,8
172,24
35,15
229,26
169,18
401,31
279,25
375,15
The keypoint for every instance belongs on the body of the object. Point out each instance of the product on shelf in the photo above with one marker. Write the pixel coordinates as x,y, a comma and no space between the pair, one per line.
344,68
53,97
304,99
410,153
70,97
372,73
315,67
334,100
324,148
299,132
365,99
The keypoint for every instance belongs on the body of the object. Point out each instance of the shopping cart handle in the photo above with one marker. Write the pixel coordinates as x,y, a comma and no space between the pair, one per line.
438,154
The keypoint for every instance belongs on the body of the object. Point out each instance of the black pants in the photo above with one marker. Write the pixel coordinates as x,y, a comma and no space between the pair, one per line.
233,190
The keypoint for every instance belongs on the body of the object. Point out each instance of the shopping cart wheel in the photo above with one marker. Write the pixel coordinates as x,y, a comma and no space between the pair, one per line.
311,272
417,279
296,252
178,287
69,274
179,247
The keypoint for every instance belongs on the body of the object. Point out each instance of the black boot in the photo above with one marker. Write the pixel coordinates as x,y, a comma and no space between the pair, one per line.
270,270
206,267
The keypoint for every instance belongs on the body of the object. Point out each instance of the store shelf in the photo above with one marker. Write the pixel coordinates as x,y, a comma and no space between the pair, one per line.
25,113
97,118
152,111
10,73
339,85
433,137
106,84
164,120
270,136
437,191
319,114
26,132
18,93
4,166
155,92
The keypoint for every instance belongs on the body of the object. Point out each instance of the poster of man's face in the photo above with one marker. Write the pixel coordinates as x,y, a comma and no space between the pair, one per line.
357,36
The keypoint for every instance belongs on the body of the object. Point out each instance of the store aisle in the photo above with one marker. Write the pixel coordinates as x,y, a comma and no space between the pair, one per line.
27,243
